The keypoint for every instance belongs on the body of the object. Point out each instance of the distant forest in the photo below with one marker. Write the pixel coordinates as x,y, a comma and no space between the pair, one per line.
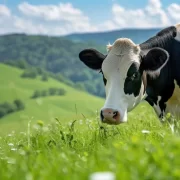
53,56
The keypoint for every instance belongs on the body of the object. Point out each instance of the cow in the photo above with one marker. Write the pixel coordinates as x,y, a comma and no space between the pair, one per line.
134,72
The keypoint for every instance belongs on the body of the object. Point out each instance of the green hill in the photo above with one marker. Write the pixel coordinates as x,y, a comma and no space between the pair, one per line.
55,55
137,35
68,107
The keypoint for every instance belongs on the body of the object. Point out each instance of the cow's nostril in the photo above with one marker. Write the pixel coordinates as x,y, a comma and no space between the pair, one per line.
110,116
115,113
102,117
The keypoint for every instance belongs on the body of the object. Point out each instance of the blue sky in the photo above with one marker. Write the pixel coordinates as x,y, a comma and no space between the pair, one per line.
57,17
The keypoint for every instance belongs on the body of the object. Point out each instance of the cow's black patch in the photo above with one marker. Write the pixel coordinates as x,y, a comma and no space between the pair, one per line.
154,101
133,81
155,89
104,80
163,39
163,86
154,59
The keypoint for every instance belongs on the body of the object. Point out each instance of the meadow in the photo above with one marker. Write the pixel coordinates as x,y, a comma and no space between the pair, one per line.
60,137
143,148
73,104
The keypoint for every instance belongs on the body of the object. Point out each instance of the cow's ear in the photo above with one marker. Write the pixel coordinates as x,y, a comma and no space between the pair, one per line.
92,58
154,61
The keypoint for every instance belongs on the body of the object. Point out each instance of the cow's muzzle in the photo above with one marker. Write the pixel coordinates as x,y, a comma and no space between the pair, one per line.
110,116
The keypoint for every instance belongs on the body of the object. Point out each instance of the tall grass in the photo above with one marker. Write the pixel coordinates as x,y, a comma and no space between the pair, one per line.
140,149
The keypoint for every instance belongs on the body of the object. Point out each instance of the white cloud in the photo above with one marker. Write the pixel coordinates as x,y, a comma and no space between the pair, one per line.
6,20
61,12
28,26
154,6
4,11
44,19
107,26
174,11
128,17
64,18
151,16
154,10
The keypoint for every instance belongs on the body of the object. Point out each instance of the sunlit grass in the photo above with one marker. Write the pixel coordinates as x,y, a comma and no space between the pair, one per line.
140,149
73,104
61,137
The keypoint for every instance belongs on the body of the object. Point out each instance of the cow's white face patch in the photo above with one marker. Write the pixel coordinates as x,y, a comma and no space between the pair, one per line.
120,69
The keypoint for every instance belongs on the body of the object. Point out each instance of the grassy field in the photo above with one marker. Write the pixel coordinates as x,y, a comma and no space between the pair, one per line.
73,104
140,149
73,146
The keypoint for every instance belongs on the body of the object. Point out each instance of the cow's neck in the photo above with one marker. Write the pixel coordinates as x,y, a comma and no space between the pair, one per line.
159,90
163,92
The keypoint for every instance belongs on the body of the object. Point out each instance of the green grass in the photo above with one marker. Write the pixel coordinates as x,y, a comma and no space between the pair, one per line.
73,104
76,149
73,146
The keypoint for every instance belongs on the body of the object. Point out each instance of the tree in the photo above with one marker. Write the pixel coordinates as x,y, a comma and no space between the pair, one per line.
44,77
22,64
36,94
2,112
9,108
80,86
39,70
52,91
29,73
19,104
44,93
61,92
59,77
90,87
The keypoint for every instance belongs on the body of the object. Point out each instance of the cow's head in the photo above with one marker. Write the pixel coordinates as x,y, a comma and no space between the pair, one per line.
124,70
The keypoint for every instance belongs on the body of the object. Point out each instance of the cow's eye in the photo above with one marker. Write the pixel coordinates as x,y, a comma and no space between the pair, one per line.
134,76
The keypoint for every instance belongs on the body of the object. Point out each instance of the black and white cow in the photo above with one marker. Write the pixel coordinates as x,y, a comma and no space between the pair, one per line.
132,73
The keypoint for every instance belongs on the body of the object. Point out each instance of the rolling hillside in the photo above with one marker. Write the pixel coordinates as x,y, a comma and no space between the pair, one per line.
55,55
103,38
58,55
46,108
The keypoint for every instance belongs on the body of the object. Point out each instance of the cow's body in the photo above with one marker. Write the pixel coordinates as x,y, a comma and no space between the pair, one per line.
164,92
132,73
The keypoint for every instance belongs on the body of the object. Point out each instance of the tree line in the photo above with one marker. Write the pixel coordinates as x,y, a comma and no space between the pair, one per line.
49,92
8,108
56,57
